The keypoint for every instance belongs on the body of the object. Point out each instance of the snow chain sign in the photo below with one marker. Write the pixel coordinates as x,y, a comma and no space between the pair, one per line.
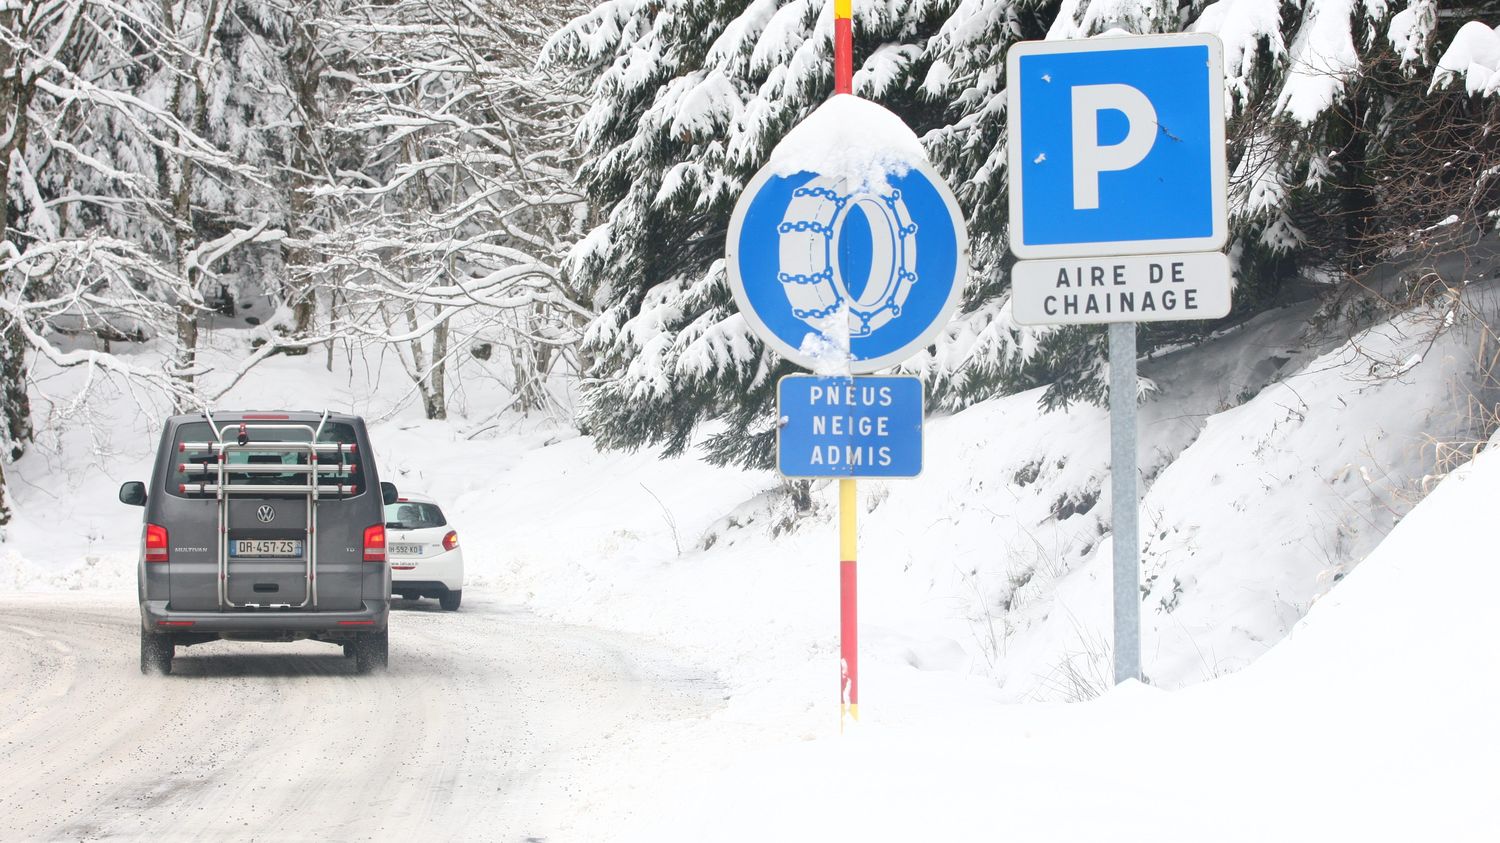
863,276
890,260
849,427
1117,212
848,271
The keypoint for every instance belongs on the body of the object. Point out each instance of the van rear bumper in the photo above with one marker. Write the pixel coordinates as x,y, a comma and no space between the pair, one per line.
156,617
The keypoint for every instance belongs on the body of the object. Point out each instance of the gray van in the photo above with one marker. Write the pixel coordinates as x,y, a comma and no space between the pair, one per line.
263,527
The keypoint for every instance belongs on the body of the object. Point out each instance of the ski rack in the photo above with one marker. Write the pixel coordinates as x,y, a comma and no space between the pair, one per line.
223,490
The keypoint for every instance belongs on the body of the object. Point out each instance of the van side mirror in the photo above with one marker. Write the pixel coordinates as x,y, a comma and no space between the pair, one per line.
388,493
133,493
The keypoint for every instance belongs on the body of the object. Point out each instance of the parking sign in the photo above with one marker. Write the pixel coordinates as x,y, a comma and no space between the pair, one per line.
1117,146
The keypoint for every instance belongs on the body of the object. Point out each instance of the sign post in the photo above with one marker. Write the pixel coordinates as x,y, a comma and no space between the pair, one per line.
848,427
848,599
1126,493
846,279
843,46
1118,212
843,83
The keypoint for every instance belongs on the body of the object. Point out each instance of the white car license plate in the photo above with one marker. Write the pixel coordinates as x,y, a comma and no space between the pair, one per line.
406,550
273,548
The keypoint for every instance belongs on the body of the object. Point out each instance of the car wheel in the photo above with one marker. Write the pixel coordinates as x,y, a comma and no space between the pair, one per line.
372,651
156,654
408,595
349,650
450,601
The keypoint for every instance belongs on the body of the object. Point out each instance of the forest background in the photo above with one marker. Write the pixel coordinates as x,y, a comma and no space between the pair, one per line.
532,197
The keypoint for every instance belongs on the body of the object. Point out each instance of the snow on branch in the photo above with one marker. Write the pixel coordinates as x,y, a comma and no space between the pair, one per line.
1474,57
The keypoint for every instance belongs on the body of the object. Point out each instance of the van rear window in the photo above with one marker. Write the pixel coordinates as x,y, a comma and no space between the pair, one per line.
199,433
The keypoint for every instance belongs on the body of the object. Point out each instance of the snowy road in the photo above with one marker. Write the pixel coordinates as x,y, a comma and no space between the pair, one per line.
491,724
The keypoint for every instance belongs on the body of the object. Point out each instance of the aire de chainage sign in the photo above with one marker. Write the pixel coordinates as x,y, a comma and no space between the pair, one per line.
1117,152
1117,213
865,273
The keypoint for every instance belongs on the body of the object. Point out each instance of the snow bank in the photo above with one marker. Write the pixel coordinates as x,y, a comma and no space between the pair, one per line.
851,138
991,570
1374,721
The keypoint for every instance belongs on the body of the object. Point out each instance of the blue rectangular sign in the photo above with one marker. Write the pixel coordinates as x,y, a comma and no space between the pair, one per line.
1117,146
849,426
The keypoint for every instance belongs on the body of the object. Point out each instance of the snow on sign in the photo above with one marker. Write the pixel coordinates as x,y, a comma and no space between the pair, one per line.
1117,146
847,235
849,427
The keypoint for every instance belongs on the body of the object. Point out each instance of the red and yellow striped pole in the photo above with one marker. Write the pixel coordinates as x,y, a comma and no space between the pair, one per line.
848,600
843,83
843,46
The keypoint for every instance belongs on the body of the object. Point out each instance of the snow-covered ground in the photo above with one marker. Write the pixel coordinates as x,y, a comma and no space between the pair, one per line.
1374,720
491,724
1274,463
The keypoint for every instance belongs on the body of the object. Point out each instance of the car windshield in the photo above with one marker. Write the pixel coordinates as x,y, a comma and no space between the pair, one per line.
412,515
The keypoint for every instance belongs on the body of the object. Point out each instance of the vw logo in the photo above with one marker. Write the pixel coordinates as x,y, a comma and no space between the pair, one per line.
265,514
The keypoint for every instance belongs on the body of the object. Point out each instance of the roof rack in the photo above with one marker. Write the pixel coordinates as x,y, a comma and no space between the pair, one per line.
216,477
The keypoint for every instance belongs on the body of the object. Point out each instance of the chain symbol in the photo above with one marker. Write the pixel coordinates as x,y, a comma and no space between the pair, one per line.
811,232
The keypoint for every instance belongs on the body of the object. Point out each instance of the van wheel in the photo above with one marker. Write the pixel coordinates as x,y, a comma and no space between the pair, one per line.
372,651
450,601
156,654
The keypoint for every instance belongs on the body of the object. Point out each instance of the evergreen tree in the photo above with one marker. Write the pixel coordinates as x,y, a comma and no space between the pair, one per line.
689,96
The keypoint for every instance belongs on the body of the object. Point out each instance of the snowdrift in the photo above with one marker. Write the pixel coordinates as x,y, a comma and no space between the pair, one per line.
1374,720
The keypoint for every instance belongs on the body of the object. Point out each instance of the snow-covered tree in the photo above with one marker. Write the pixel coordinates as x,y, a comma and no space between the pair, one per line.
463,201
29,32
688,97
128,200
141,191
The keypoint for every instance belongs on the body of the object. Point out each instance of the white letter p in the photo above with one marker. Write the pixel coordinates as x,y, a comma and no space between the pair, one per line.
1089,158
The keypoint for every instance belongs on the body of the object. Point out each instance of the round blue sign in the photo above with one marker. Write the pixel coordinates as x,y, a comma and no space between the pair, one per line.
891,259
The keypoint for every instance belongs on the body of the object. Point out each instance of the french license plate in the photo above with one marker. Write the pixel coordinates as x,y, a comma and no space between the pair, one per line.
273,548
406,550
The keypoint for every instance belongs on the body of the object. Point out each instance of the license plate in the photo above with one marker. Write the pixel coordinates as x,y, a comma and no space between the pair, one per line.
406,550
266,548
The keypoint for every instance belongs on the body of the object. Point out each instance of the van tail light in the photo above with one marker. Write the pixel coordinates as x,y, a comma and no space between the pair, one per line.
450,541
375,543
156,543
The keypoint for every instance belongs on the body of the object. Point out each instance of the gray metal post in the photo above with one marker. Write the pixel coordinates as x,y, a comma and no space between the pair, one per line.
1122,446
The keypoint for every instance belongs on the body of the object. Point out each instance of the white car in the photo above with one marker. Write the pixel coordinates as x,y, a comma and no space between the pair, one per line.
426,560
